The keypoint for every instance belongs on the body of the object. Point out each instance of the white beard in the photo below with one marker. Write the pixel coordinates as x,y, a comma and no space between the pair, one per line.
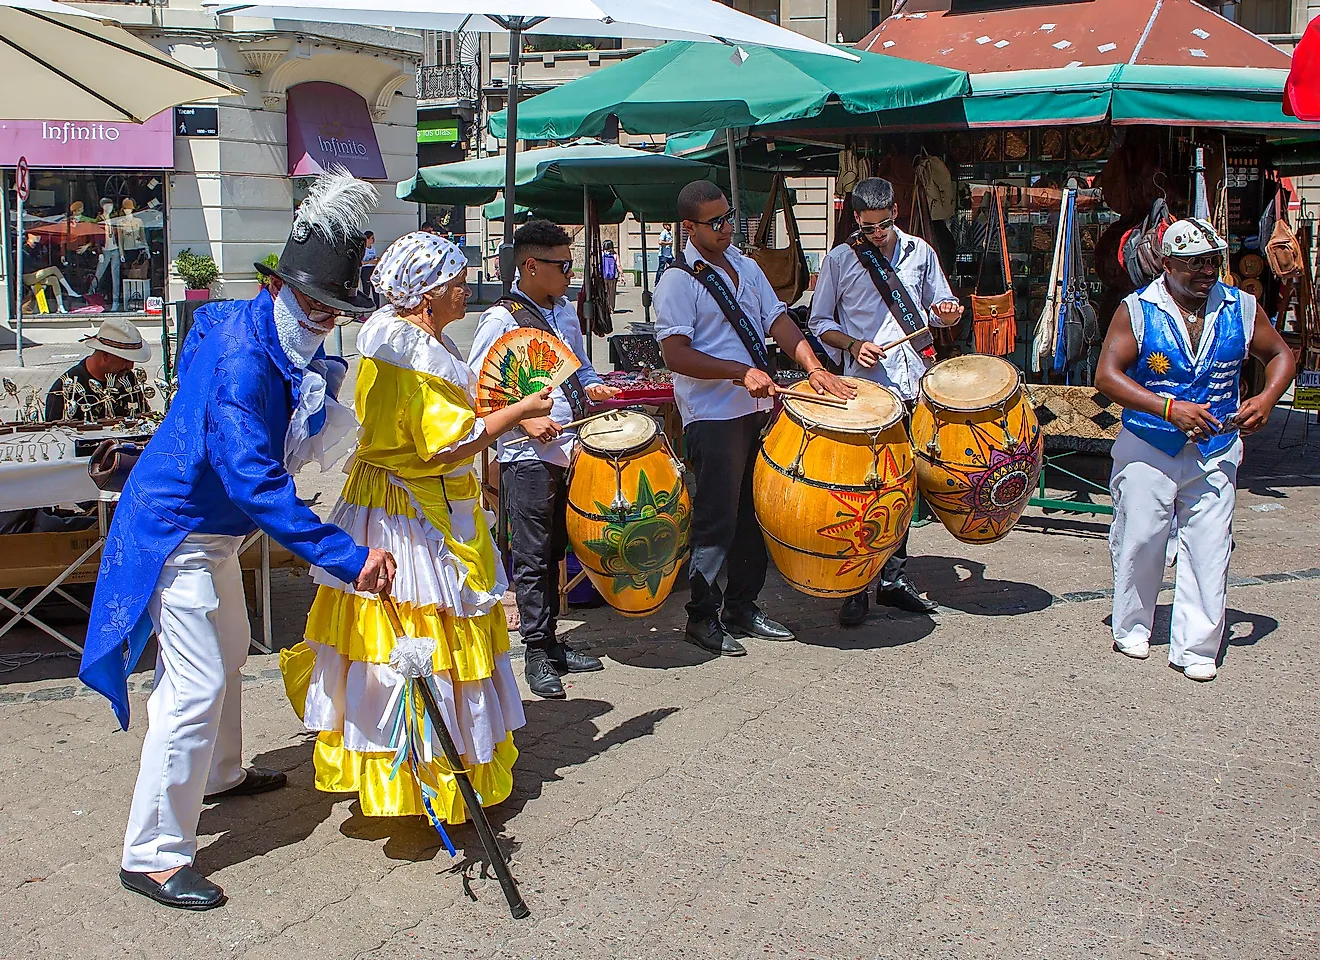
299,342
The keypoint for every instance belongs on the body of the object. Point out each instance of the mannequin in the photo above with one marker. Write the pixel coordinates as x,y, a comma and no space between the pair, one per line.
132,235
111,254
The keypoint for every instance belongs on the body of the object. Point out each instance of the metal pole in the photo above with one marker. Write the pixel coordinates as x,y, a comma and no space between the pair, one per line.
18,280
735,199
588,305
646,274
507,265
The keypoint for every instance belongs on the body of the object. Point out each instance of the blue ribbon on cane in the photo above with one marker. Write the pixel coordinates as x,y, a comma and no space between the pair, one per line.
411,729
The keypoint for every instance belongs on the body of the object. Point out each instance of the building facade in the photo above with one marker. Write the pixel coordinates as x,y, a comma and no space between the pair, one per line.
112,205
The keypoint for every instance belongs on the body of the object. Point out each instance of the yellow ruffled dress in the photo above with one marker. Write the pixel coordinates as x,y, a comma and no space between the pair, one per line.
414,398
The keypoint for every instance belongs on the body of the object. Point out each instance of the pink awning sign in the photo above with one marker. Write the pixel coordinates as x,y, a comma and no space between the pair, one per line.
66,144
329,125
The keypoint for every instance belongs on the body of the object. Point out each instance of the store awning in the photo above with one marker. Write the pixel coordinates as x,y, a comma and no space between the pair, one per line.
330,125
685,86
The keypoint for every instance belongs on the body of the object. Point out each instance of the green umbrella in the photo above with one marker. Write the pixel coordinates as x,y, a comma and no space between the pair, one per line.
555,182
682,86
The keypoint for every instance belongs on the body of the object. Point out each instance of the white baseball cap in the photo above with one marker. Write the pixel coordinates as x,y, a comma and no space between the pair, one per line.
1190,237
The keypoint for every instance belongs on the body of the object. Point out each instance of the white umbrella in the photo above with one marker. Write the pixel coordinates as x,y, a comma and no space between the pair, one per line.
60,63
700,20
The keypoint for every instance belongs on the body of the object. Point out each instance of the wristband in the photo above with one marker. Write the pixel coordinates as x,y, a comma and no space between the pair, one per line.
1168,407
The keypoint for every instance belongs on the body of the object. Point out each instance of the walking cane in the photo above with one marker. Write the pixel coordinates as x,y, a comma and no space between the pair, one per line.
517,908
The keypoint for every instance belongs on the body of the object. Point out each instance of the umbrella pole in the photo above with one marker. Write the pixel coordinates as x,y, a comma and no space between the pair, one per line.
646,275
588,305
515,27
735,198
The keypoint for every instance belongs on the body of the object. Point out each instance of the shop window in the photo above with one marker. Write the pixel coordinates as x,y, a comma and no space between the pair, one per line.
93,241
449,220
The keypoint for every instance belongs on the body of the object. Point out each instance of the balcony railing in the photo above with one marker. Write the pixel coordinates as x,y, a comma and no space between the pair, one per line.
455,81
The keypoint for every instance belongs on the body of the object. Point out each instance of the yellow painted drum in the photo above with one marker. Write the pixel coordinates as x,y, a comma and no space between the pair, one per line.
834,489
628,511
978,446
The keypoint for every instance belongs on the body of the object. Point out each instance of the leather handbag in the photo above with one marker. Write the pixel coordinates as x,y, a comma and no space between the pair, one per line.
994,319
111,463
785,268
1283,251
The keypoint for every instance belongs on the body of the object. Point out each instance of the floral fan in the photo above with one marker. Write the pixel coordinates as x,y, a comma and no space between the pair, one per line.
520,363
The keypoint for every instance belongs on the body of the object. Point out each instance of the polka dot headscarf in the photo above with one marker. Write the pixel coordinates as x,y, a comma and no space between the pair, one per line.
415,264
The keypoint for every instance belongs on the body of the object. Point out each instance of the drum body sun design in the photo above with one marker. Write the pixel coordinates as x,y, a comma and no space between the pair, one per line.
834,490
978,446
628,511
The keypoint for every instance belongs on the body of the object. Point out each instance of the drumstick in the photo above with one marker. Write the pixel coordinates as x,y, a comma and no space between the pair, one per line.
826,399
574,423
898,343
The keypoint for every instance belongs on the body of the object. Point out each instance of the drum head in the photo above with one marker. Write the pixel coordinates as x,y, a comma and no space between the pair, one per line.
617,433
973,382
875,408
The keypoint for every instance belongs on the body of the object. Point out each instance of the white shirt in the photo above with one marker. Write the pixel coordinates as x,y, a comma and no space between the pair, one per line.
495,323
683,308
666,243
846,299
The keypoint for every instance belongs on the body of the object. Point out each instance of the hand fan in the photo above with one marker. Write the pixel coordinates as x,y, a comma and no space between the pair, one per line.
520,363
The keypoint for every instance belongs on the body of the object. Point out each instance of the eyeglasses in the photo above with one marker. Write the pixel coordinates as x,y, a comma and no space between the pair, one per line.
564,265
718,223
870,229
1202,262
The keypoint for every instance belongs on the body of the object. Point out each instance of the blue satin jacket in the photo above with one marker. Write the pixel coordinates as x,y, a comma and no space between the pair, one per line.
215,466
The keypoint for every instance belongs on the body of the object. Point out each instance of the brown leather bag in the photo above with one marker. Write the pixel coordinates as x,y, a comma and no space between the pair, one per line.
785,268
994,318
111,462
1283,251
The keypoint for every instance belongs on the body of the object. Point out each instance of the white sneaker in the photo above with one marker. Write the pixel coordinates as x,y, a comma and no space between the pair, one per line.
1137,650
1201,672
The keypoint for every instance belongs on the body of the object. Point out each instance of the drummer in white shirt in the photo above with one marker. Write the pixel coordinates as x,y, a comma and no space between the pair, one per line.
849,314
723,389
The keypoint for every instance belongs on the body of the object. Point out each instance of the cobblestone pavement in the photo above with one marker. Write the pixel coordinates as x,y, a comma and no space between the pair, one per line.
991,782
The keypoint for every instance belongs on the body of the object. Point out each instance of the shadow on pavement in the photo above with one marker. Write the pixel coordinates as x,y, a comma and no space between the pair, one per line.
942,578
1241,629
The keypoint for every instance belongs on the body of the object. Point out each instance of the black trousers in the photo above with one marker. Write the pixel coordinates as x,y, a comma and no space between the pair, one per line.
535,494
724,532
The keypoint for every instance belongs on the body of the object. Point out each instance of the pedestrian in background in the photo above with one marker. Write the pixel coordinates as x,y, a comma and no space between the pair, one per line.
609,271
666,249
369,260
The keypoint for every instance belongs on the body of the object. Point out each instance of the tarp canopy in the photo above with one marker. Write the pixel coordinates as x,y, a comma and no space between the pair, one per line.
1213,97
553,182
684,86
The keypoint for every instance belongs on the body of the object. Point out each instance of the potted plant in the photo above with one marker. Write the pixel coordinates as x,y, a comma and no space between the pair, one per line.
270,260
197,273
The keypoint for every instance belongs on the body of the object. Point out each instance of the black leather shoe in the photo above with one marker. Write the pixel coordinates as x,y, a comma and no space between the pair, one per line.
903,595
258,780
568,660
754,623
853,611
542,676
710,636
186,890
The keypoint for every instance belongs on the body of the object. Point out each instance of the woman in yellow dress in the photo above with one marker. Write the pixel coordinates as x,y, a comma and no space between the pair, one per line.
412,490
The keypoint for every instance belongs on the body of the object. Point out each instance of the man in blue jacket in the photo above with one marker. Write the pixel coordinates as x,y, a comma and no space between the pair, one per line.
249,409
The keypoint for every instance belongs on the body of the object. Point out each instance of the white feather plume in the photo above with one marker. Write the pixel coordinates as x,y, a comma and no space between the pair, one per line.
338,206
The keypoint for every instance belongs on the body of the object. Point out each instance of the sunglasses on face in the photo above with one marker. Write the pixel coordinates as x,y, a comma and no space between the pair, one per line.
1202,262
871,229
718,223
565,265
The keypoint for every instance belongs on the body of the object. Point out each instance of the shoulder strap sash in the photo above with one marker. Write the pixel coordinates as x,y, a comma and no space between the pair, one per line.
527,314
747,331
895,295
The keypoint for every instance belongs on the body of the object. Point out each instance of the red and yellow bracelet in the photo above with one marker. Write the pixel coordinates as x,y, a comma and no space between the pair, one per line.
1168,407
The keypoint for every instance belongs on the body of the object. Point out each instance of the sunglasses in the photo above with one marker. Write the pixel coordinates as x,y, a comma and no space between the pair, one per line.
564,265
871,229
1202,262
718,223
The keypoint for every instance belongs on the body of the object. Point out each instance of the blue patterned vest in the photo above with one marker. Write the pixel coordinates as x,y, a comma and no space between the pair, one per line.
1165,367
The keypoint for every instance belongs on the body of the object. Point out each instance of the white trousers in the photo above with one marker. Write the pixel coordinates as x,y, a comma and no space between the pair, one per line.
194,742
1192,498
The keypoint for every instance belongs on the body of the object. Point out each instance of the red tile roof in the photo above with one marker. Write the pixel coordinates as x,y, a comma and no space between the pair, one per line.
1085,33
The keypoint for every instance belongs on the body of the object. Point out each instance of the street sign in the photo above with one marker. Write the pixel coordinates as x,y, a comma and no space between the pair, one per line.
1306,395
22,184
197,121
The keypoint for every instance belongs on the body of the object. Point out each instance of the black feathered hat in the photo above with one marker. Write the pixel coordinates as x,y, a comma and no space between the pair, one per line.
323,255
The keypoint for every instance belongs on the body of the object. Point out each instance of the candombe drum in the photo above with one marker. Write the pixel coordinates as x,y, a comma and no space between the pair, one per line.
834,489
628,511
978,446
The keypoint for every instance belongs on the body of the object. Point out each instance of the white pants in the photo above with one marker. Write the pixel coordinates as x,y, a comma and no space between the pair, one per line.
194,742
1152,492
